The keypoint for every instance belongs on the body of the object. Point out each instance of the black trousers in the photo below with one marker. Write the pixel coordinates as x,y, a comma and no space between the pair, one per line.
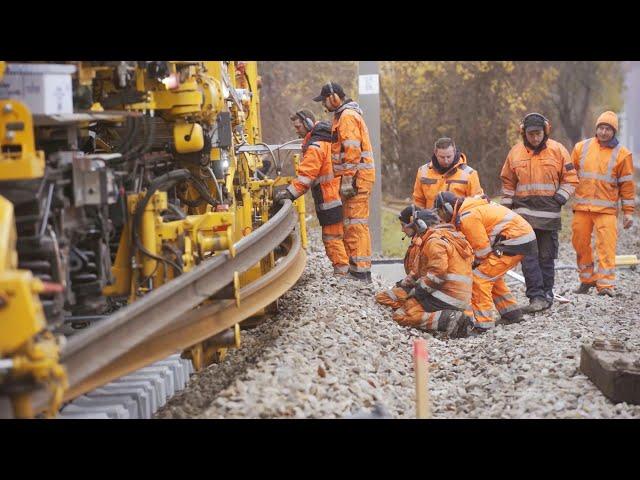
539,269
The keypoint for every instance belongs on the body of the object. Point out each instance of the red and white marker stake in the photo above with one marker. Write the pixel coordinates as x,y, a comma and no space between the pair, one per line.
421,368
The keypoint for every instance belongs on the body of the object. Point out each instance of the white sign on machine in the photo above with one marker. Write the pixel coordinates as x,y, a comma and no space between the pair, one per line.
44,88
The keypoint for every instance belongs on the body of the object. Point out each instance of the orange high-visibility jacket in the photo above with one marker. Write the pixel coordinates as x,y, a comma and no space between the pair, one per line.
412,254
488,225
460,179
316,172
351,150
606,176
444,265
536,185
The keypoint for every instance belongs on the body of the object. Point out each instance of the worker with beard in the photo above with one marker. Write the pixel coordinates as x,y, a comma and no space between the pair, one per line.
538,177
447,171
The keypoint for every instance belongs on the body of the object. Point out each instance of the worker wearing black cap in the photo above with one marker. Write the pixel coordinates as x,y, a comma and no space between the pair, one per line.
538,177
352,158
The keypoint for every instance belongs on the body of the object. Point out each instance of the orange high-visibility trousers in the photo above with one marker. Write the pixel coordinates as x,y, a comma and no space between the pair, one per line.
413,314
355,235
606,227
333,239
489,289
394,297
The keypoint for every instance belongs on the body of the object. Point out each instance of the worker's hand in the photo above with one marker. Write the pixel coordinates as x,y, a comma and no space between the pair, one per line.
559,199
407,281
627,221
282,195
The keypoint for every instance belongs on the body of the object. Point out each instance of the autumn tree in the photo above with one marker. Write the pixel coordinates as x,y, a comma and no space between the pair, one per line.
581,92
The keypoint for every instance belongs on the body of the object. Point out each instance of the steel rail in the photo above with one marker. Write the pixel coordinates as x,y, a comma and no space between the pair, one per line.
204,322
89,352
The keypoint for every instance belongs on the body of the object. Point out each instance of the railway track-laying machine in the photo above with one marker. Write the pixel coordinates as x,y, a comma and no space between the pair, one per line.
118,179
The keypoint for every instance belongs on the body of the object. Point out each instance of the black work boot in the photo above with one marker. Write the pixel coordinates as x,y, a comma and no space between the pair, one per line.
362,276
508,318
538,304
584,288
606,292
453,322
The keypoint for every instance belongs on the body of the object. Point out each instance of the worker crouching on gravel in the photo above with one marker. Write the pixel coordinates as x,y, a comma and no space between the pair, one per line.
316,172
499,238
605,169
414,223
440,297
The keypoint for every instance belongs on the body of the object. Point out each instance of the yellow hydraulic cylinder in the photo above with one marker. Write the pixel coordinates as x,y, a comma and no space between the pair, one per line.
149,239
302,214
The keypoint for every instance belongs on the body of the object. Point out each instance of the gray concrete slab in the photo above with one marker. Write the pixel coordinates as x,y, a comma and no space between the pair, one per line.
112,411
83,416
156,378
391,272
180,374
167,376
127,402
139,394
147,385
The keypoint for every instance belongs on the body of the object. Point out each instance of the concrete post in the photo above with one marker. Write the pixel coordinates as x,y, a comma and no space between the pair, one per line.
369,100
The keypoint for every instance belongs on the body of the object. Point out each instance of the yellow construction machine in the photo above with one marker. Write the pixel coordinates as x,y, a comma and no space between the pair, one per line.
160,166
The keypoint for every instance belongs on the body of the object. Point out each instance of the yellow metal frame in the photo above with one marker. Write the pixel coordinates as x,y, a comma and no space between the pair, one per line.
33,351
19,158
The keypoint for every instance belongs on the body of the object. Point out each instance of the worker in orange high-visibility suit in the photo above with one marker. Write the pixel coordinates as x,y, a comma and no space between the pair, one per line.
605,169
352,158
315,172
446,171
538,177
499,238
441,296
414,224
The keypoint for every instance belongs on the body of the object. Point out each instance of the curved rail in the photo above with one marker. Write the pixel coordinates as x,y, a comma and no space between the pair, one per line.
204,322
155,323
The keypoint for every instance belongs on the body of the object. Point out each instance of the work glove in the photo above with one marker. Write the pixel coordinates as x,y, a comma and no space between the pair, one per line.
347,190
278,200
406,283
419,292
282,195
559,199
627,221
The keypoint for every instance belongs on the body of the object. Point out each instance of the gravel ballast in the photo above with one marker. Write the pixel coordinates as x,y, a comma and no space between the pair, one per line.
331,351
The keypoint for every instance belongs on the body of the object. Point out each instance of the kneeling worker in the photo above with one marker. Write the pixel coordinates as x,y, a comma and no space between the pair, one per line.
414,224
441,297
500,238
316,172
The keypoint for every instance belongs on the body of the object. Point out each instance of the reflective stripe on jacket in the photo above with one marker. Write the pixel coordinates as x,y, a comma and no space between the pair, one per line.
530,181
410,258
460,179
444,266
606,176
488,226
351,149
315,172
